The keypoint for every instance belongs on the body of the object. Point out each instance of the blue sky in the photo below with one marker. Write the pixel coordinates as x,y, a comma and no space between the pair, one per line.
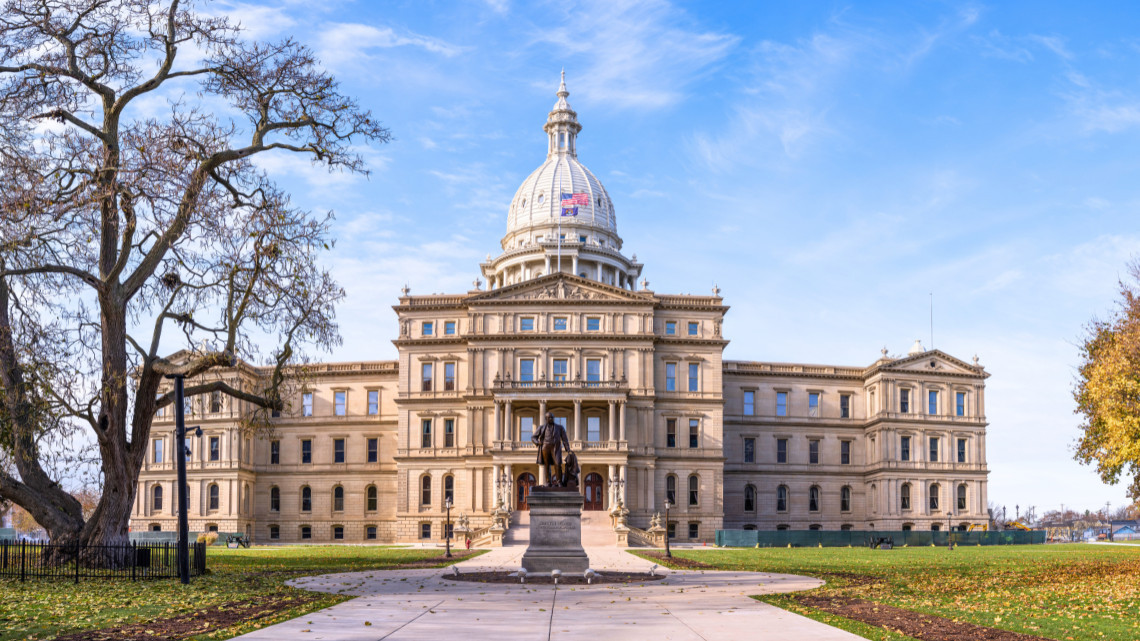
828,165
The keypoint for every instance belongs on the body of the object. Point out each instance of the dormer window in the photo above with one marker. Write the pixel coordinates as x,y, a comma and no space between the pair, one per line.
562,141
541,198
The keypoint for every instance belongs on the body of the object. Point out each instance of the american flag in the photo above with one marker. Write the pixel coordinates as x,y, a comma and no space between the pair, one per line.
569,200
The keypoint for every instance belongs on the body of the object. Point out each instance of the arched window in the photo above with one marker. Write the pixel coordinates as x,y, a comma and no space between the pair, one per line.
934,491
449,489
815,526
749,498
275,499
671,489
425,490
306,499
338,499
781,527
694,489
156,498
962,497
874,497
750,527
904,496
371,498
782,498
274,532
214,497
813,499
245,499
845,499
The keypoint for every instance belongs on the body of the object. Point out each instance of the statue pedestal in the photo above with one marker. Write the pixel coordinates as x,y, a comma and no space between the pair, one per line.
555,531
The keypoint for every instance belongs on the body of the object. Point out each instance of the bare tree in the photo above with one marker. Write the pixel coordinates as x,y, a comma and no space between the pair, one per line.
125,234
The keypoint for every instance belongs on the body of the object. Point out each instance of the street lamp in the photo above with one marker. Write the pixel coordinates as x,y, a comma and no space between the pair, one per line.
668,552
182,548
447,530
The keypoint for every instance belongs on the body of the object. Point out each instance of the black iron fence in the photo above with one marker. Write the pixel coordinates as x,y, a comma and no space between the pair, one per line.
862,538
27,559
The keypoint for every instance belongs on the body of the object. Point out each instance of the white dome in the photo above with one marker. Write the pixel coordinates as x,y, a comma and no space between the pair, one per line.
537,202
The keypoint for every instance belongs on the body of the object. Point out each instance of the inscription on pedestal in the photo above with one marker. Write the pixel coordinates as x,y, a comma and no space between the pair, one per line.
555,532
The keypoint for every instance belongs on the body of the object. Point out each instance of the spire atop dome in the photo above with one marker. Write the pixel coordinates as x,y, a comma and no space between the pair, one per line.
562,125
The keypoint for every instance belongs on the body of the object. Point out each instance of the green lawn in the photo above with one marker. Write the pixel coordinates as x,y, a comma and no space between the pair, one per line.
42,609
1078,592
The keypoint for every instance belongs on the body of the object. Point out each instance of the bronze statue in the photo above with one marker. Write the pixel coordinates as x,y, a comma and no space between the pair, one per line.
550,438
570,470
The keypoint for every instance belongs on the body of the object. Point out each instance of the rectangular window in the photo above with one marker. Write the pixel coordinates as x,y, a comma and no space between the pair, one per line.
274,452
670,377
844,406
671,530
306,451
904,449
449,328
750,403
813,404
307,404
215,402
581,239
694,376
781,403
526,369
449,432
593,428
693,329
215,448
813,451
670,328
526,428
694,432
425,530
561,369
161,411
749,450
338,450
526,324
373,450
340,403
961,450
960,405
425,432
370,533
373,402
560,324
158,447
593,370
932,403
904,401
781,450
425,377
933,449
694,530
670,432
593,324
449,377
428,328
306,532
845,452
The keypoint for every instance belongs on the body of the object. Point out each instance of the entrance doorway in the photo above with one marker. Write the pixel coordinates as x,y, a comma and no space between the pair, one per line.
593,487
525,482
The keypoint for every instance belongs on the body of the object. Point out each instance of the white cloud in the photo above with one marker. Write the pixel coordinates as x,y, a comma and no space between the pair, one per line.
635,54
499,6
348,44
257,22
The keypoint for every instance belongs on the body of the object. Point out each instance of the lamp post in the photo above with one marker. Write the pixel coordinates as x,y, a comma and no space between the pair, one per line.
668,552
447,528
182,547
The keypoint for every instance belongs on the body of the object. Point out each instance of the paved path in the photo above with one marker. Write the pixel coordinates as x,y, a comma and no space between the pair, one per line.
421,605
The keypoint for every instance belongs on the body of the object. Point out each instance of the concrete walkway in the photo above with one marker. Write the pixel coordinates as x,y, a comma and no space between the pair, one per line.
421,605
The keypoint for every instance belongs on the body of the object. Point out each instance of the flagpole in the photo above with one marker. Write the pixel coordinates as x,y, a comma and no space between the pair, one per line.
560,216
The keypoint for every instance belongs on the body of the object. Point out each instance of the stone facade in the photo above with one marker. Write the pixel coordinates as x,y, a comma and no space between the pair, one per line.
370,451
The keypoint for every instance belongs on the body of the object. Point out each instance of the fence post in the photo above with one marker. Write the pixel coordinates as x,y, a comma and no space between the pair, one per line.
134,558
77,563
23,547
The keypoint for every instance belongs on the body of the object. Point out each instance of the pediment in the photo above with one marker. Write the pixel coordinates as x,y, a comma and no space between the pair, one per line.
560,288
934,361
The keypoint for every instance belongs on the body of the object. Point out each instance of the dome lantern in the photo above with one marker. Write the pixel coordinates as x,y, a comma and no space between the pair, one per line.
562,125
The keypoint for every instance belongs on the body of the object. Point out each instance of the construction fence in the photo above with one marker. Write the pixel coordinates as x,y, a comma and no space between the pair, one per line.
865,538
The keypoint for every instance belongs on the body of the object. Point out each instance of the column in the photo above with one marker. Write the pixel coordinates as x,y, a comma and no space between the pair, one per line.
541,412
624,486
609,482
470,426
498,423
575,262
599,272
495,476
508,425
621,421
547,271
577,436
613,419
651,488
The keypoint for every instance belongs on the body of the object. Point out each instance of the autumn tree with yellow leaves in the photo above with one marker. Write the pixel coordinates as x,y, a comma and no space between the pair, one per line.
1107,390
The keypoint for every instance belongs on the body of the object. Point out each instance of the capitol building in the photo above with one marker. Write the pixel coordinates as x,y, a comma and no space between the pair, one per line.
375,451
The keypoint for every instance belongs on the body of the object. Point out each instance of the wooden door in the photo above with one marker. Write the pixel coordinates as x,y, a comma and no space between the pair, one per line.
525,482
593,487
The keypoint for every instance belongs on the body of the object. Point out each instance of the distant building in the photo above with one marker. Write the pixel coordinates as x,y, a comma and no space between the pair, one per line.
372,449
